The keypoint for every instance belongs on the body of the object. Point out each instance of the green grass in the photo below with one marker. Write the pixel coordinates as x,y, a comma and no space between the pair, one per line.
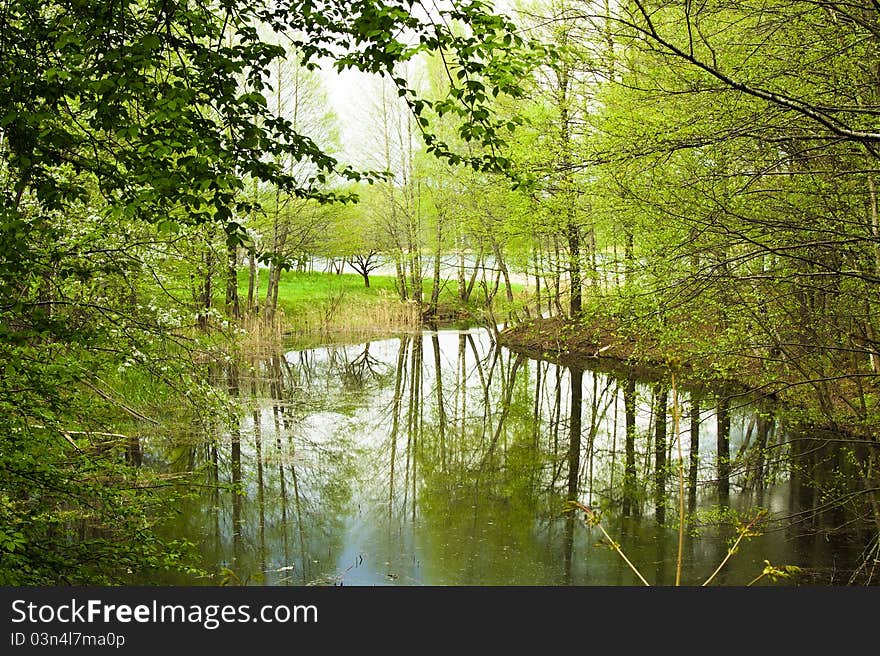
301,292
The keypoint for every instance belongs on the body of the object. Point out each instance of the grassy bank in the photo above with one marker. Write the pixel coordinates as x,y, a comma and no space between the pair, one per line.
330,304
702,356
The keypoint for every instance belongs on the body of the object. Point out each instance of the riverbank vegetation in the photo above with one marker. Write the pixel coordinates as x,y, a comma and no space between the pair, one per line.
321,305
681,186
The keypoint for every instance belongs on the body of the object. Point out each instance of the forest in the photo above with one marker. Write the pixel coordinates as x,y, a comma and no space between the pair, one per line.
686,188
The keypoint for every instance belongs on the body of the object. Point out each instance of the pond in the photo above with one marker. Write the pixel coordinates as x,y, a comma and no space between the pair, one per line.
442,458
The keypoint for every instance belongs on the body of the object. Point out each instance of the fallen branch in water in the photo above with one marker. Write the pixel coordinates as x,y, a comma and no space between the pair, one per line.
744,531
592,519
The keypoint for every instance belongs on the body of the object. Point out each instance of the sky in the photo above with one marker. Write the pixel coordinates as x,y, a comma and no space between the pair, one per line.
350,93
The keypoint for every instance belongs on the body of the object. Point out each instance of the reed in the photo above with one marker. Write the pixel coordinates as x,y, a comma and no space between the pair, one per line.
259,335
340,314
744,530
326,303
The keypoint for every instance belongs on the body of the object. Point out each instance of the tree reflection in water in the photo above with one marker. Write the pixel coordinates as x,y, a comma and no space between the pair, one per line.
442,458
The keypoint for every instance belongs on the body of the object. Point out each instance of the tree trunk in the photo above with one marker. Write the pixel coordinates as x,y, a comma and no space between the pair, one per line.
441,405
462,284
207,291
574,271
253,282
660,454
628,257
694,459
630,503
536,258
415,272
469,287
499,260
435,283
233,307
271,290
400,275
574,438
723,451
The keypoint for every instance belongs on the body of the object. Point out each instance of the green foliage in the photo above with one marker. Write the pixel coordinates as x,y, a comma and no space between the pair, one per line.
777,573
722,187
709,190
128,135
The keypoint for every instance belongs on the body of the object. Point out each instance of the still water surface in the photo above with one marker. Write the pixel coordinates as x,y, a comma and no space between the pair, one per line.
442,458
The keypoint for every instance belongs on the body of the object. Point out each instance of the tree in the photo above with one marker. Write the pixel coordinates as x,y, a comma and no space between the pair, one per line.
730,156
561,98
129,133
774,248
294,227
356,233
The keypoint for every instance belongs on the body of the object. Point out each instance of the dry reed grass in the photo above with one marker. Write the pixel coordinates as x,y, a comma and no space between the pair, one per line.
329,320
